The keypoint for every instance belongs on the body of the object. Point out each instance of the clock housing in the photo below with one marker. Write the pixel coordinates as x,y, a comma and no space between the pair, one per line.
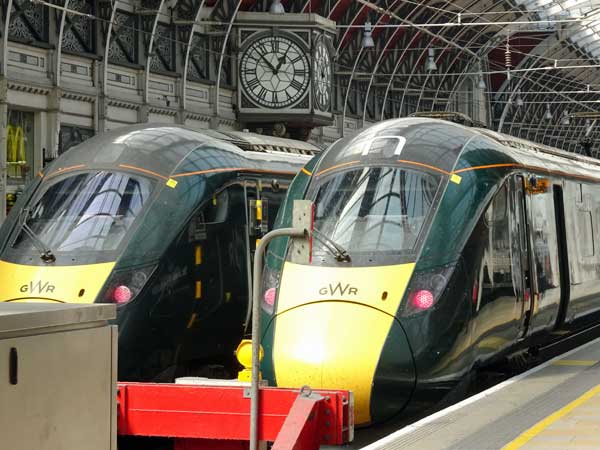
276,60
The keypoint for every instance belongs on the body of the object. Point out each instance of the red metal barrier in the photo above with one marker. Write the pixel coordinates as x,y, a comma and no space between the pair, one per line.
218,417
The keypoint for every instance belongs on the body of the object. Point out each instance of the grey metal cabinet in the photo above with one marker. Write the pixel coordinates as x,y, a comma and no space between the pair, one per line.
57,377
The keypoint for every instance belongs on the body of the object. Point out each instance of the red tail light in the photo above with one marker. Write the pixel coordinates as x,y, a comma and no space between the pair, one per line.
121,294
422,299
123,286
426,288
270,296
269,290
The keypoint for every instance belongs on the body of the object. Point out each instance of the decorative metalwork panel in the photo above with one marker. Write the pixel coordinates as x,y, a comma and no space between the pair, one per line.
150,5
123,44
198,68
71,135
28,22
78,34
164,49
217,45
186,9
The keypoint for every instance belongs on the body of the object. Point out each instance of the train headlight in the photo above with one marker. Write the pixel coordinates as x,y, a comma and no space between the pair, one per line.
426,288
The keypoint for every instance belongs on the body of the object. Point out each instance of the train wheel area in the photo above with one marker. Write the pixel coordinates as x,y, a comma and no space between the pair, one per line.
552,406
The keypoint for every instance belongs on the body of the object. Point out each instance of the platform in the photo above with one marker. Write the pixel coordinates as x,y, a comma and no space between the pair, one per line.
555,405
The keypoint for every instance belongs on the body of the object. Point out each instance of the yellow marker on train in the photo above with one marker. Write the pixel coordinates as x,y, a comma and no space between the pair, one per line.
198,290
258,209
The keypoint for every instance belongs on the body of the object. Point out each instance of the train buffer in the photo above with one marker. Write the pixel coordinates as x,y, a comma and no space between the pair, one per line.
215,415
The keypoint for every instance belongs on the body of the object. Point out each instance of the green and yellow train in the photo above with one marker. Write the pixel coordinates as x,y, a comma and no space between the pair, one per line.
437,249
162,221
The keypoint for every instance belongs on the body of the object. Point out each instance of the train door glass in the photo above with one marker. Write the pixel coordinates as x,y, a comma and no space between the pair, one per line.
520,254
496,276
543,239
499,247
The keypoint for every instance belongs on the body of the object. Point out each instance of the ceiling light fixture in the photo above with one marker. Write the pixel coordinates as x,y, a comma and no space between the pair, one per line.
431,66
368,41
277,7
548,115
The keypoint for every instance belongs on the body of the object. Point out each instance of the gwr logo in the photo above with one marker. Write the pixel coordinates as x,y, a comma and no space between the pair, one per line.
338,288
37,287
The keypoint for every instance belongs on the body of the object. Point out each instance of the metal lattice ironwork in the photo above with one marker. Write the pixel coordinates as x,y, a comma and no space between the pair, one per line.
78,35
164,47
198,69
28,22
123,44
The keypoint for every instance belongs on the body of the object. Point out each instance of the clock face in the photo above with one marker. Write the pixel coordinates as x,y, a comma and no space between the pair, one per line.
274,72
322,75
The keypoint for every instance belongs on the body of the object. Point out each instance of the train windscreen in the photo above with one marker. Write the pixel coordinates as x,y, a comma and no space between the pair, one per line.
372,212
85,212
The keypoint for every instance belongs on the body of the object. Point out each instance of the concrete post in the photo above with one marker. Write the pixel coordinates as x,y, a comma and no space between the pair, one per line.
53,139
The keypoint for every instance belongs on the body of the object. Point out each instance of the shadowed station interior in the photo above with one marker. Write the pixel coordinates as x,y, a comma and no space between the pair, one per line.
299,224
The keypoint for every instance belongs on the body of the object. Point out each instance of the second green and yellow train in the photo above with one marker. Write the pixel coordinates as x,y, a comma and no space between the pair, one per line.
437,249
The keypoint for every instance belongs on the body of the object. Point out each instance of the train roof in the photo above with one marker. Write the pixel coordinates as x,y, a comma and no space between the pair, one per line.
437,145
261,143
165,149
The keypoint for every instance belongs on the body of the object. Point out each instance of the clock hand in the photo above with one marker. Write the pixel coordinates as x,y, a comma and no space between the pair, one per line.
269,64
281,61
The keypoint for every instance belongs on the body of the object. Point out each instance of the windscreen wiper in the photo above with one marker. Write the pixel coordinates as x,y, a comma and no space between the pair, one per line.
45,252
338,251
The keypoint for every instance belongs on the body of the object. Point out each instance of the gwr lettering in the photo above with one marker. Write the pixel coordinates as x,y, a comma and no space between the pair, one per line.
333,290
37,286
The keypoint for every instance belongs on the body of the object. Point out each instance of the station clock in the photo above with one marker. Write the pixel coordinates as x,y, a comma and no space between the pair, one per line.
284,72
275,71
322,79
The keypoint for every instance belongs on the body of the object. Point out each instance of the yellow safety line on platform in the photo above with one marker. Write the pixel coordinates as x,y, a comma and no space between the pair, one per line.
543,424
574,362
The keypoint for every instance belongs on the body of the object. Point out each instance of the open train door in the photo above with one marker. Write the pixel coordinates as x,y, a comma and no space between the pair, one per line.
565,281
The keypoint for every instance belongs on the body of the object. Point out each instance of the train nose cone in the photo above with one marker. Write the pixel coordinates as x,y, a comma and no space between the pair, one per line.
344,345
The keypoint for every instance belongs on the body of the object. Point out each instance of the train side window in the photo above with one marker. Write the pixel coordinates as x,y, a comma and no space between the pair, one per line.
212,211
272,195
586,233
275,197
215,210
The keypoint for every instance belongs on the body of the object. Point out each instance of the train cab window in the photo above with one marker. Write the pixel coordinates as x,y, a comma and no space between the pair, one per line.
375,213
83,212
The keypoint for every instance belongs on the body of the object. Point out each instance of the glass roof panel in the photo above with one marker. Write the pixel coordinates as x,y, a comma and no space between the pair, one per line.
584,34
